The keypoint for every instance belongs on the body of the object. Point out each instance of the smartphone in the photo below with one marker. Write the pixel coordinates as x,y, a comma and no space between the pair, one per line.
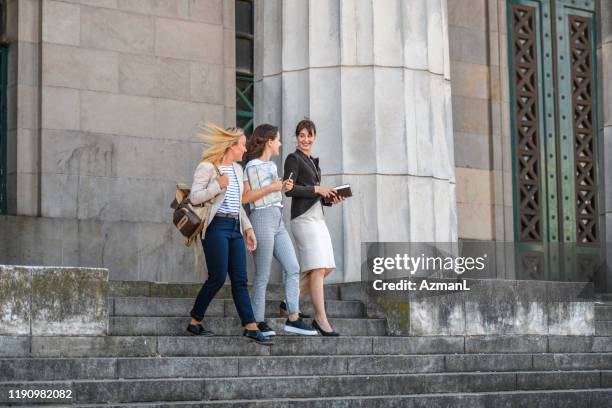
290,176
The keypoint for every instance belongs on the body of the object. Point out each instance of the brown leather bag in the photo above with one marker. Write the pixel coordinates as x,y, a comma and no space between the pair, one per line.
190,219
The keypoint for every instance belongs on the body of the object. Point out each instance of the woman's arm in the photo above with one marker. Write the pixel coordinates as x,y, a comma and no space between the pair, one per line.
249,196
203,188
293,166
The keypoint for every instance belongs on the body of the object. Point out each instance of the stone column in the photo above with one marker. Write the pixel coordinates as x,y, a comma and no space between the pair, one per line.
374,77
604,56
23,125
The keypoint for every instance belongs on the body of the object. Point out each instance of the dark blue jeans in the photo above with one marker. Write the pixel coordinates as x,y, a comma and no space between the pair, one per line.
225,253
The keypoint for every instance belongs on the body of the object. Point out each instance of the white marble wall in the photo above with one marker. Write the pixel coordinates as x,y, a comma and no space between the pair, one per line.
375,78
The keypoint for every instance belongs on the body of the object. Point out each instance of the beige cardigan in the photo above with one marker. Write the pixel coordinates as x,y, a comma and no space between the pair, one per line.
205,187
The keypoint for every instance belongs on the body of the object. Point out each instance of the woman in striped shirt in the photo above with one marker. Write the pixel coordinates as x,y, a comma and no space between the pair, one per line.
219,178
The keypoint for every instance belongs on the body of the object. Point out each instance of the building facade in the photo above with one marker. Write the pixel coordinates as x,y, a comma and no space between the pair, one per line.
453,120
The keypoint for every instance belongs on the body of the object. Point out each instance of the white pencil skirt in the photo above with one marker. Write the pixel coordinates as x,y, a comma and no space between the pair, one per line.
312,240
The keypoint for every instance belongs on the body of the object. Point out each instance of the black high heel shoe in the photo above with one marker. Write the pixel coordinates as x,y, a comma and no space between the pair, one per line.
283,311
323,332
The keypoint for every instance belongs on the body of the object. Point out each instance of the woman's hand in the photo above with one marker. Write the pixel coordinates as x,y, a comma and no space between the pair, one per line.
337,199
326,192
288,185
275,186
251,241
223,180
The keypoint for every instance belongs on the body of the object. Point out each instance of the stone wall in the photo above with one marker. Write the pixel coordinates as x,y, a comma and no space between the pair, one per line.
109,96
479,72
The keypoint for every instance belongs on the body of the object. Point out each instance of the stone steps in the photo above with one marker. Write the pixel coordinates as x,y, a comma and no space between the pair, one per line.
85,368
603,328
228,326
186,346
603,312
233,388
190,290
591,398
180,307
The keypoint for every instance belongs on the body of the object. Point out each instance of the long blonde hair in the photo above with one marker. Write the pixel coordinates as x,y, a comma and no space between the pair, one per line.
217,141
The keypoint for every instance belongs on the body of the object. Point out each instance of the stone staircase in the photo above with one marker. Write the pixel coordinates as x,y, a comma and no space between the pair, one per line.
149,361
603,315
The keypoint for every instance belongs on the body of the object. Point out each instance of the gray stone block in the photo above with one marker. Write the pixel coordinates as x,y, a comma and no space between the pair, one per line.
294,345
418,345
164,8
395,364
175,39
574,361
603,312
150,76
570,308
69,301
177,367
15,303
128,288
467,45
258,388
93,346
292,366
606,379
488,362
61,23
117,30
118,114
557,380
14,346
208,83
416,384
56,369
182,120
603,328
211,346
78,153
61,108
137,390
505,344
207,11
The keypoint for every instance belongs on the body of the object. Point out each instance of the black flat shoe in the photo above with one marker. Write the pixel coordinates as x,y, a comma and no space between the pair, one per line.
257,337
283,312
198,330
323,332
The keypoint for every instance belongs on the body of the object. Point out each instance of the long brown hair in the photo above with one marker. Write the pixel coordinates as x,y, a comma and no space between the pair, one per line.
257,142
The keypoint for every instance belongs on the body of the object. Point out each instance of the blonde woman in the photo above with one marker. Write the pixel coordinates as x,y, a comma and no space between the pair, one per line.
219,177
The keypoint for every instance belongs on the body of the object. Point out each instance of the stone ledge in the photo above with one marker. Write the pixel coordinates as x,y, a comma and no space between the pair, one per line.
490,307
53,301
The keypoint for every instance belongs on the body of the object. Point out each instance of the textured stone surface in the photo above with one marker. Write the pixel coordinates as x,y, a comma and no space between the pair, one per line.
61,23
15,306
54,301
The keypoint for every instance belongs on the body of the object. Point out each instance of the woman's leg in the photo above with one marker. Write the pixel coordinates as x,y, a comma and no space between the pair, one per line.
317,295
285,254
238,275
262,257
216,251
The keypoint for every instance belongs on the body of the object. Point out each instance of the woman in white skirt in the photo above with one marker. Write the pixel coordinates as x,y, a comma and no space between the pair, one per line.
312,239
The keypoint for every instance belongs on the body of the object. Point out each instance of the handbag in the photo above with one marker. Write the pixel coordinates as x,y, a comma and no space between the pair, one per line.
188,218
